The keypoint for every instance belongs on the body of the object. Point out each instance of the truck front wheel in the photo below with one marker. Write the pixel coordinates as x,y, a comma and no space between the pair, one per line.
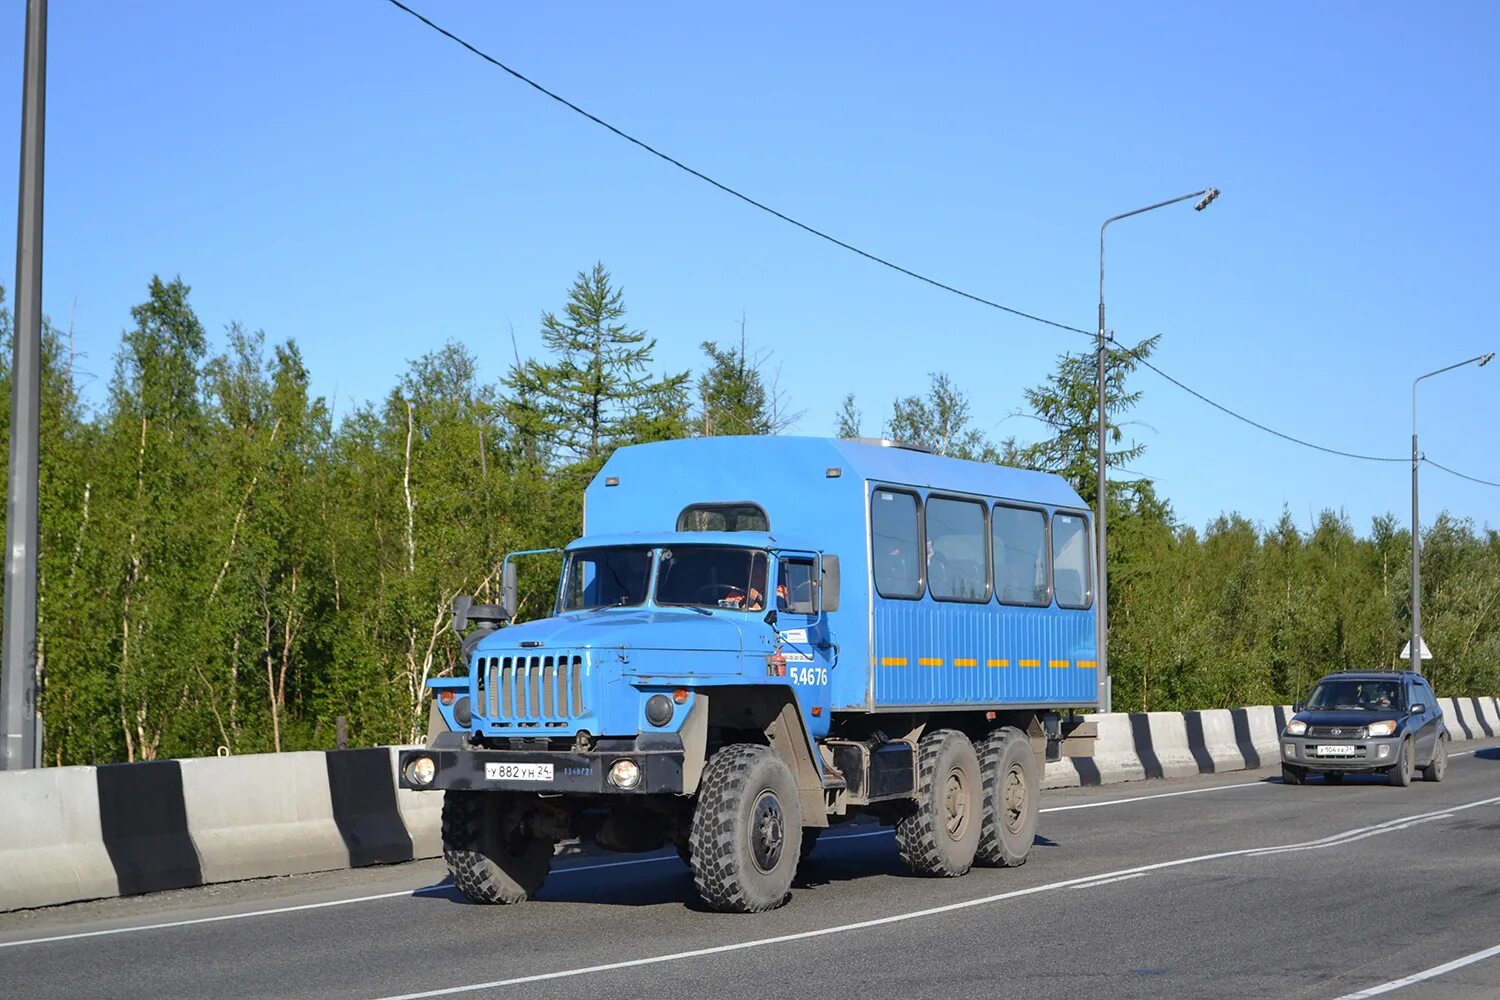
491,855
747,830
940,835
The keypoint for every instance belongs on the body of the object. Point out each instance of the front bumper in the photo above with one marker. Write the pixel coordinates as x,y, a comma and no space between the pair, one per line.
573,772
1374,754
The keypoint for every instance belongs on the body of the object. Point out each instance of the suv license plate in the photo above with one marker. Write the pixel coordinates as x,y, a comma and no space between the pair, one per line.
1335,750
517,772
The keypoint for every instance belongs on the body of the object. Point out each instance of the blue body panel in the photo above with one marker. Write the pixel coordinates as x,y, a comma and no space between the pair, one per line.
816,493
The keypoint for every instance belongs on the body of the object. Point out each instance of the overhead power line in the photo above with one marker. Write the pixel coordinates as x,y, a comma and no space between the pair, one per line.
1257,424
820,234
1460,475
882,261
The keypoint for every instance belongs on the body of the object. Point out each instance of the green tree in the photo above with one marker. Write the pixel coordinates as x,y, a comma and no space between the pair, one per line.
597,391
940,422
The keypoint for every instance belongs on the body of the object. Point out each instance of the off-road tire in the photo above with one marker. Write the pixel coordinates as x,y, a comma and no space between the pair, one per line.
940,834
1438,766
1291,774
1011,788
1399,774
1333,777
491,856
746,836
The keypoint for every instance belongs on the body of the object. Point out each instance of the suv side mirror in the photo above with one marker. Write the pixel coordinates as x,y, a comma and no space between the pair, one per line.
1296,706
1418,708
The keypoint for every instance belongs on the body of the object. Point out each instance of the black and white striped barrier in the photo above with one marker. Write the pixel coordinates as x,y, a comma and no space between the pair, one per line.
1138,746
73,833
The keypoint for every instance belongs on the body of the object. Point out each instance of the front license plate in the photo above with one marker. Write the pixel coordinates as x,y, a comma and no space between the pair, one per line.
517,772
1335,750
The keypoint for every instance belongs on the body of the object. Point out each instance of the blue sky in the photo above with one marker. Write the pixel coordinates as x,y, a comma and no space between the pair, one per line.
339,174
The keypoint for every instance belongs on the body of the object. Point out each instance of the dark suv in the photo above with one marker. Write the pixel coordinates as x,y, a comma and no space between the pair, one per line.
1378,722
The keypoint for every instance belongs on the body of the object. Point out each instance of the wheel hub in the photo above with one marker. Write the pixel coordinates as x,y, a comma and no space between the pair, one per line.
1014,798
955,804
767,831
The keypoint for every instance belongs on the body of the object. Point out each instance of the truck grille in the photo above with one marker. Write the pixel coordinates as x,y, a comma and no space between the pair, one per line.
531,691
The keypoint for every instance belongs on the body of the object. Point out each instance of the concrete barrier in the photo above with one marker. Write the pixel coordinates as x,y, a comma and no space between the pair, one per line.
51,843
278,819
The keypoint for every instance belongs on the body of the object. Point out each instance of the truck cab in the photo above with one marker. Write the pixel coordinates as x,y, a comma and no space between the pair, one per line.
756,638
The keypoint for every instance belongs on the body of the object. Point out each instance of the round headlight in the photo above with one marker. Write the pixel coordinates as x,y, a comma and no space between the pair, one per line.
658,710
461,712
625,774
1296,727
421,770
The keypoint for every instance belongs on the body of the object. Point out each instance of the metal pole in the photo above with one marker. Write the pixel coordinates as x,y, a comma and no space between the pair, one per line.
1416,547
18,689
1416,525
1104,694
1101,608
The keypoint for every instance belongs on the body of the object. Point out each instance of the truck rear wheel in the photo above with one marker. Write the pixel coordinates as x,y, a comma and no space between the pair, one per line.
747,830
490,854
940,835
1012,798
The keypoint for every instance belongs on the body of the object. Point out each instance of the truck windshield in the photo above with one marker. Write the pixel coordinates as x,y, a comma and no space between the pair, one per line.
712,577
606,578
1369,695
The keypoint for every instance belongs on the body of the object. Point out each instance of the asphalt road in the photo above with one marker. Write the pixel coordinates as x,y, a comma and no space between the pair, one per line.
1219,887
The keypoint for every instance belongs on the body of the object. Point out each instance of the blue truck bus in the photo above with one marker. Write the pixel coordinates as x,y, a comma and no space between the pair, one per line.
757,638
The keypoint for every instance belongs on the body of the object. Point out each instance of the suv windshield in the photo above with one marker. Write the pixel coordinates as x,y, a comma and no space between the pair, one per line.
712,577
1356,695
606,578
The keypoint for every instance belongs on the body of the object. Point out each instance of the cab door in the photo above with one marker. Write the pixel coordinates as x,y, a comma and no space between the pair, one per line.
802,636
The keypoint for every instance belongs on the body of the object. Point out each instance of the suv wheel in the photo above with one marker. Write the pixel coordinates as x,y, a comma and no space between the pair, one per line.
1400,772
1438,766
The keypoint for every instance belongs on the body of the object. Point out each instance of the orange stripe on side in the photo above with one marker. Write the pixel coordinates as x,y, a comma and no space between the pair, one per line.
1058,663
893,661
1030,663
997,663
930,661
966,663
1088,664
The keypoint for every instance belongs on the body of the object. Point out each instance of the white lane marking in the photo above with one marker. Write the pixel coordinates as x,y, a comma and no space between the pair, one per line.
1374,831
863,924
1420,977
222,916
1107,881
1158,795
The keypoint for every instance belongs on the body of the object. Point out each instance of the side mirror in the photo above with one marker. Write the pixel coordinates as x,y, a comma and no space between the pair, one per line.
1418,708
1296,706
770,618
830,586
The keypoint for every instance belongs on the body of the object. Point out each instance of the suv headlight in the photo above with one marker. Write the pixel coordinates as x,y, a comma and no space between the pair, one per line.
1296,727
1387,728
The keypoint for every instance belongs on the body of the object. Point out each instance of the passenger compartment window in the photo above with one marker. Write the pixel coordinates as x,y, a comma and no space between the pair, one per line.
894,534
1020,538
723,517
957,566
1071,577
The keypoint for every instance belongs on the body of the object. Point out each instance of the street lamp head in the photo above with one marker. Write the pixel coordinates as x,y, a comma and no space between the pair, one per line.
1487,359
1208,199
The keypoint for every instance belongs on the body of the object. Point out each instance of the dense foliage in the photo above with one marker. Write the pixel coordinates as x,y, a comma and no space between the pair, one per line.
225,565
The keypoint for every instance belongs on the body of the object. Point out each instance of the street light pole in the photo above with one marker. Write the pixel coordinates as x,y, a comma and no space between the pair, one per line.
1415,646
1101,600
18,746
